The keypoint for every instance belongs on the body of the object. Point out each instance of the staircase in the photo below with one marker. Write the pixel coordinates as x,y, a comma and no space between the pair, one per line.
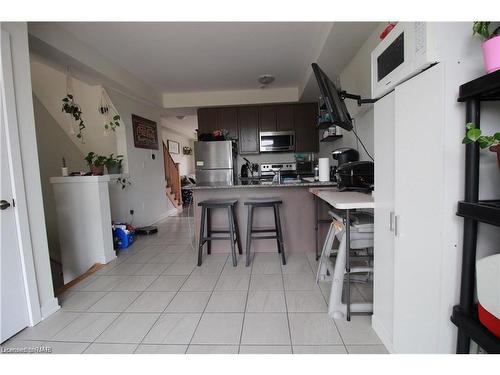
172,179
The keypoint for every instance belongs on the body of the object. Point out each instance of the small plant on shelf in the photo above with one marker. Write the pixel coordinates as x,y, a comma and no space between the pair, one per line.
490,46
96,163
484,141
73,109
114,164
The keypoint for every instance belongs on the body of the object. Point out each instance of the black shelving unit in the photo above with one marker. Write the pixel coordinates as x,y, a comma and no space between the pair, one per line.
464,315
331,138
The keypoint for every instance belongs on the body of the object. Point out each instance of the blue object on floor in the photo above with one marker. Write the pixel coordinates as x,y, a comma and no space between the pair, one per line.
122,239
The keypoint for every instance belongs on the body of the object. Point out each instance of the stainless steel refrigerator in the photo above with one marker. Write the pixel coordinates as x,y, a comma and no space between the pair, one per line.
215,163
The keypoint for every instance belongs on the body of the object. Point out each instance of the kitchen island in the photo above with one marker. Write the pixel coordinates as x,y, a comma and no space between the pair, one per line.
297,213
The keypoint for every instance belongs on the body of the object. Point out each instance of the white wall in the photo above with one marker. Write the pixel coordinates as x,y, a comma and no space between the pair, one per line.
49,85
147,194
48,39
31,171
186,162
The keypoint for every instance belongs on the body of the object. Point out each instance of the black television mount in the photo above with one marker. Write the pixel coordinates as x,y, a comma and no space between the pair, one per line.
345,95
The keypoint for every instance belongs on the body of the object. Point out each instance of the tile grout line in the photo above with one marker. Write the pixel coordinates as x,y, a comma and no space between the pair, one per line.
208,301
121,313
286,308
159,316
246,302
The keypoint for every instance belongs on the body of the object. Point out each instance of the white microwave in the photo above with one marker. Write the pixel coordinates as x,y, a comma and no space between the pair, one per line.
408,49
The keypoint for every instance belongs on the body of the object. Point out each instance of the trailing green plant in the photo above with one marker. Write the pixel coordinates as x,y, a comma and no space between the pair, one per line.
475,135
113,124
124,182
482,28
73,109
114,161
95,160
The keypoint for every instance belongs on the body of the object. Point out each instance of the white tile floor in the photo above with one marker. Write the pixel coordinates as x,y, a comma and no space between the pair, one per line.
153,299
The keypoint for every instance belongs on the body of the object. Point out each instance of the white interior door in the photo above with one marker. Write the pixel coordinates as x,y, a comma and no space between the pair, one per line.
383,282
418,205
14,315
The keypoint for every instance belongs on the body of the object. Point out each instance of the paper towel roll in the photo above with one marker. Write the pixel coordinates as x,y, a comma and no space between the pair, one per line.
324,169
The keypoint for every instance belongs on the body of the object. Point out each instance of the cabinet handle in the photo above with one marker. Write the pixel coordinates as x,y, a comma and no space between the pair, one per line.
391,221
396,225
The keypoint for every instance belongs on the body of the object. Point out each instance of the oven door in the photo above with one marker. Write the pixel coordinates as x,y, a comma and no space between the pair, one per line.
277,141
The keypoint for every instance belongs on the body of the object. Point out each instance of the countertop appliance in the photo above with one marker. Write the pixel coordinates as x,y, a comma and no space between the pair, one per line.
215,162
407,50
356,175
345,155
281,141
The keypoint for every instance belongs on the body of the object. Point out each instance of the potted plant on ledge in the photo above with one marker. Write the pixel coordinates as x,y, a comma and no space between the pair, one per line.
96,163
475,135
490,46
114,164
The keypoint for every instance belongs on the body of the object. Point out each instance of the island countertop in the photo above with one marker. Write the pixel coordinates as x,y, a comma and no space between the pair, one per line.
259,184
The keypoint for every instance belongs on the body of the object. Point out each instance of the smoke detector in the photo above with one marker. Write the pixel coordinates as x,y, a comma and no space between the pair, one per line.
265,80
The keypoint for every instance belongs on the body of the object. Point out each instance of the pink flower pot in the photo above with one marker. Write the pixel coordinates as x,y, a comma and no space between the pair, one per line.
491,54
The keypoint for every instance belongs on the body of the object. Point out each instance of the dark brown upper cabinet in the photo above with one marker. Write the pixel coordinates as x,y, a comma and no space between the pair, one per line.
227,118
284,117
245,122
267,118
248,128
306,135
207,120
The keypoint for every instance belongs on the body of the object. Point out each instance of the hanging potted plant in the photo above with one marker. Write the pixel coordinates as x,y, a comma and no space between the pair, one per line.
114,164
490,46
485,141
73,109
96,163
111,118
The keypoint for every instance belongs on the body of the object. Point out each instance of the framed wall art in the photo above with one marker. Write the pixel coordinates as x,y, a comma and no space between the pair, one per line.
145,133
173,147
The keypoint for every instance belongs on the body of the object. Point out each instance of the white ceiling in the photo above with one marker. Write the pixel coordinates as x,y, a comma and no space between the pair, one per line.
215,56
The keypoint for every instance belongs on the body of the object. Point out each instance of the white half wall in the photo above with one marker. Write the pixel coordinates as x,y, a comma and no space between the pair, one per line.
49,133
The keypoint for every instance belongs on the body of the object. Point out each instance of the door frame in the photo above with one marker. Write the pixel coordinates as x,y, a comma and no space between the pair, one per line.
17,179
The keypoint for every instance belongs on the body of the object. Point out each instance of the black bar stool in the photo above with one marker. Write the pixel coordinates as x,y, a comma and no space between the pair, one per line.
234,232
278,234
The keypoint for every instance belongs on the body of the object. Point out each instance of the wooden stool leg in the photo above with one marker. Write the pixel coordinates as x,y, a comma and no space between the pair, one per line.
280,234
238,238
276,228
249,234
202,234
209,230
232,237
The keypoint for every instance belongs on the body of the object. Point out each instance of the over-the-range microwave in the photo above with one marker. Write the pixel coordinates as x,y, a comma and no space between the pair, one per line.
408,49
280,141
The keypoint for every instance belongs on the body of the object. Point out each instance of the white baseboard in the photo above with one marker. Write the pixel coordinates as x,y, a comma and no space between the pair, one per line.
162,217
49,308
382,334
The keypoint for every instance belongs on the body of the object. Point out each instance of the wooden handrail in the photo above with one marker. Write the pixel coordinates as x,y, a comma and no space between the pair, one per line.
172,175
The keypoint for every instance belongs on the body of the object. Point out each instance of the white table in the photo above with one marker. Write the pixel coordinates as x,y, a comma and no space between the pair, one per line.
342,200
